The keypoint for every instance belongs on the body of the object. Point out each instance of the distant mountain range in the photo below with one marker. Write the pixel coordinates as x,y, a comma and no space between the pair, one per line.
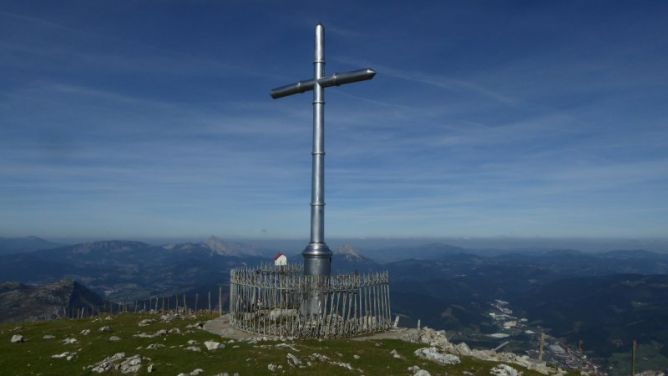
127,270
20,302
25,244
604,299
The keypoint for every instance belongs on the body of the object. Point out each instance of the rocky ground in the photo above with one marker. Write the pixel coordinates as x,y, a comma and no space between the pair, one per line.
138,344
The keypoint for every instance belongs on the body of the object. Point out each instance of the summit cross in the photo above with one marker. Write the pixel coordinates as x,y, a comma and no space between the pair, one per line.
317,256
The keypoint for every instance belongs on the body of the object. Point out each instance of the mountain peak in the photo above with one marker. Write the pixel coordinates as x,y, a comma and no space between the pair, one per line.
349,252
216,244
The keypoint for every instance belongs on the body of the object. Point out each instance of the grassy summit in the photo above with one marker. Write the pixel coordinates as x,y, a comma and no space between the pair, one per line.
171,351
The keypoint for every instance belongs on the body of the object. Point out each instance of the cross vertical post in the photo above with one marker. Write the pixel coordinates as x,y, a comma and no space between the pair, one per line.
317,256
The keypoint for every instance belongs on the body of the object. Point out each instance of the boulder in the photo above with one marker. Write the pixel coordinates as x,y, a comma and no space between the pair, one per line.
432,354
131,365
504,370
145,322
293,361
16,338
213,345
107,364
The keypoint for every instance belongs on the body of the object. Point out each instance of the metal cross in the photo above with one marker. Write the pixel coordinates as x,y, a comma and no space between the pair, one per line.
317,256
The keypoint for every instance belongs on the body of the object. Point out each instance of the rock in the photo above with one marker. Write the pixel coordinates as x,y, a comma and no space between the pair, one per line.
104,329
432,354
16,338
417,371
48,336
161,332
274,368
70,341
154,346
293,361
85,332
61,355
150,368
434,337
192,342
320,357
287,345
504,370
344,365
463,349
174,330
118,362
356,356
213,345
145,322
196,372
114,338
131,364
197,325
395,354
107,364
193,348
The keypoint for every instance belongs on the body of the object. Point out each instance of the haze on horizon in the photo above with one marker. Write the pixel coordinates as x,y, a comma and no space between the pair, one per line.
520,120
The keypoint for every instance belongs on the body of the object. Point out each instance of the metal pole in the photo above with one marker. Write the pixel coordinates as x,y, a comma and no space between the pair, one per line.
317,256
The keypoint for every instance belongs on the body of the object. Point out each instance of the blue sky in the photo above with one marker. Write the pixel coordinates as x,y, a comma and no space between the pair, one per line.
508,118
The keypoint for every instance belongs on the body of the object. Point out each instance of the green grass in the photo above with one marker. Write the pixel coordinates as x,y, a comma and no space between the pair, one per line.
33,357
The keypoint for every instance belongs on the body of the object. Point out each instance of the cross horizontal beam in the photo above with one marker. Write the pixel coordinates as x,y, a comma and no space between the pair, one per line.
336,79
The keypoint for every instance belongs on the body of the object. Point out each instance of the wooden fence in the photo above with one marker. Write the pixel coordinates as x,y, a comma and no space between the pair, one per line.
279,301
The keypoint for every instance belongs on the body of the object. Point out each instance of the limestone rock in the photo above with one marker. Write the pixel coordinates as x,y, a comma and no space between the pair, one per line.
213,345
131,365
107,364
504,370
274,368
70,341
395,354
48,336
416,371
145,322
16,338
104,329
293,361
67,355
114,338
432,354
